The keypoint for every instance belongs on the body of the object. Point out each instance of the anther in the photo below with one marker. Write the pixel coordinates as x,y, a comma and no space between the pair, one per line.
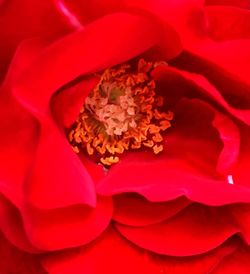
122,112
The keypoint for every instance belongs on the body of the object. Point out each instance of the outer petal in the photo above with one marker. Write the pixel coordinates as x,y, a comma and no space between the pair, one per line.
185,234
236,262
241,213
223,55
98,46
207,89
236,3
12,226
227,23
25,19
226,83
108,254
136,211
240,172
122,257
16,261
27,133
185,16
15,185
67,227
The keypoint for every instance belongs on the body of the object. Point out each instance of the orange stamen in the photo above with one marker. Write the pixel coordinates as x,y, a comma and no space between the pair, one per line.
121,113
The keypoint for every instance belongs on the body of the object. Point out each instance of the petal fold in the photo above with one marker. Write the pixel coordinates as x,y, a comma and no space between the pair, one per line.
195,230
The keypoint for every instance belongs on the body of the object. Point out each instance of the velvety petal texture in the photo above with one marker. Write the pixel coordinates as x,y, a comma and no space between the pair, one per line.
24,19
184,210
15,261
56,199
227,23
135,211
237,3
185,234
122,257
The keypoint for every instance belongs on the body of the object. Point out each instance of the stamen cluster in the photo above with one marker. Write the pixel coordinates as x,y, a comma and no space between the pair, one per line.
121,113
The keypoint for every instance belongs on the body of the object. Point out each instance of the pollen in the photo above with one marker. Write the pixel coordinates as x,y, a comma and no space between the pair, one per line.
123,112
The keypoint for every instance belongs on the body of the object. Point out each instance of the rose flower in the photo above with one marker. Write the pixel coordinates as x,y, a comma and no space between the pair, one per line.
125,138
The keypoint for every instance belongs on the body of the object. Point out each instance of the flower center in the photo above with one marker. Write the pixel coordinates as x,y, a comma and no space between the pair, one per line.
121,113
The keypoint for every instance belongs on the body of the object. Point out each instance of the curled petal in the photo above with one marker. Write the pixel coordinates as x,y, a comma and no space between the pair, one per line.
11,222
230,136
235,262
79,53
164,182
223,55
227,23
61,181
226,83
66,103
182,169
37,230
14,260
66,227
36,184
186,17
206,88
68,14
185,234
236,3
27,19
123,257
135,211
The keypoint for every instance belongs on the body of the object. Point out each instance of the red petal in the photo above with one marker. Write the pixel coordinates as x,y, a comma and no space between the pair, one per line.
195,230
108,254
112,254
58,178
16,261
236,3
25,19
170,45
35,230
41,191
81,53
223,55
76,55
40,185
186,17
204,263
19,131
192,132
173,87
135,211
236,262
227,23
90,11
230,136
66,104
225,82
241,213
204,87
67,227
182,169
241,171
68,14
11,225
161,180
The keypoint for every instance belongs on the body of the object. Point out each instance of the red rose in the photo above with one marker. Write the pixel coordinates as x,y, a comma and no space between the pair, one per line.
182,210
